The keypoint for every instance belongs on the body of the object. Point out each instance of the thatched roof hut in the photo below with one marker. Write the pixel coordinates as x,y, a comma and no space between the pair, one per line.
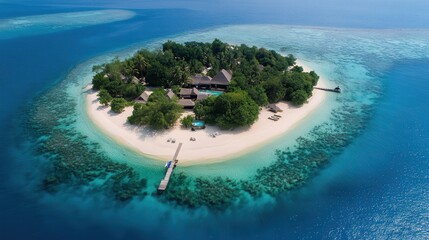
170,94
199,79
189,92
144,97
274,108
223,78
186,103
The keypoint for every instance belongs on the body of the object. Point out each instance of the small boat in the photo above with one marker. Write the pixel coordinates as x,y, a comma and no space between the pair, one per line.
167,164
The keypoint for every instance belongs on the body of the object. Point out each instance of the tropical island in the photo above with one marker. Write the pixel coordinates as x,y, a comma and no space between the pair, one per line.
210,96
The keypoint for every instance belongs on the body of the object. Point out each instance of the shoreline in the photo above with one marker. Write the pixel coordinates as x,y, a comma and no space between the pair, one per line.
206,149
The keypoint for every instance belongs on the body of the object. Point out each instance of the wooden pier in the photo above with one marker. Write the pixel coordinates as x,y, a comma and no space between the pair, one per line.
337,89
164,182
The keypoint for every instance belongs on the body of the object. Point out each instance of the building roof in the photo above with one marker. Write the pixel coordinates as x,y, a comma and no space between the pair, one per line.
189,92
185,91
195,91
186,102
205,80
170,94
202,96
144,96
222,78
200,79
274,108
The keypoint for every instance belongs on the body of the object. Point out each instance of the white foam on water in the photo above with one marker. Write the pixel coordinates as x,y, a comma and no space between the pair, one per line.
48,23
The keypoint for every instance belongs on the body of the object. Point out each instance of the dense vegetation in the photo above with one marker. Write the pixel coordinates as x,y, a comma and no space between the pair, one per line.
159,113
260,76
118,78
187,121
118,105
264,74
229,110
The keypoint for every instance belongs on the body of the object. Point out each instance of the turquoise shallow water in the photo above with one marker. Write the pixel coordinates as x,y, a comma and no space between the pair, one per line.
366,148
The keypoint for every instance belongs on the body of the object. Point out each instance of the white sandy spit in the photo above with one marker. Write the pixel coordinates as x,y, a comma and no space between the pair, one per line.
206,148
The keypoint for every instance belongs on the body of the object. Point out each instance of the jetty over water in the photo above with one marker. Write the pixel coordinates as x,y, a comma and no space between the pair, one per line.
164,182
337,89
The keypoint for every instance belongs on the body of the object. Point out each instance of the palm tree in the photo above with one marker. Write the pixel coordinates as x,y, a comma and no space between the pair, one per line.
141,64
180,74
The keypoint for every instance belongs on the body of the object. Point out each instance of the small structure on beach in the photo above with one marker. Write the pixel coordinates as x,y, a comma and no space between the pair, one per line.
274,108
144,97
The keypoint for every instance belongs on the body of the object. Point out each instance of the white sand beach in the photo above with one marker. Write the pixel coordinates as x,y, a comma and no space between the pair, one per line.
206,148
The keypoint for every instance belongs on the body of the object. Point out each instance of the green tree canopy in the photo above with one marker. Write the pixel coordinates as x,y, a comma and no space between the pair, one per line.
299,97
229,110
104,97
118,105
159,113
274,89
187,121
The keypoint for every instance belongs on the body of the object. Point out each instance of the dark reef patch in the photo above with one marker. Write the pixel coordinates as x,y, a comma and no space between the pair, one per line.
73,160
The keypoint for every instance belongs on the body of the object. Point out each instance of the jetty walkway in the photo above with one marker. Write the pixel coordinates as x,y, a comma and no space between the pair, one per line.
337,89
164,182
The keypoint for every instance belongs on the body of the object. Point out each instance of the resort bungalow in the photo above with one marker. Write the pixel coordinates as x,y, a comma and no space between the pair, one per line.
189,93
222,79
186,103
274,108
170,94
202,96
144,97
201,81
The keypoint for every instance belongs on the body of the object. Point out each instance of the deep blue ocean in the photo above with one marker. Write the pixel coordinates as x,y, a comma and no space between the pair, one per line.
375,188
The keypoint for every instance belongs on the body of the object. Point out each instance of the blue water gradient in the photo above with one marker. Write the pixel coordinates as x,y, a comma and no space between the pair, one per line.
375,189
47,23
